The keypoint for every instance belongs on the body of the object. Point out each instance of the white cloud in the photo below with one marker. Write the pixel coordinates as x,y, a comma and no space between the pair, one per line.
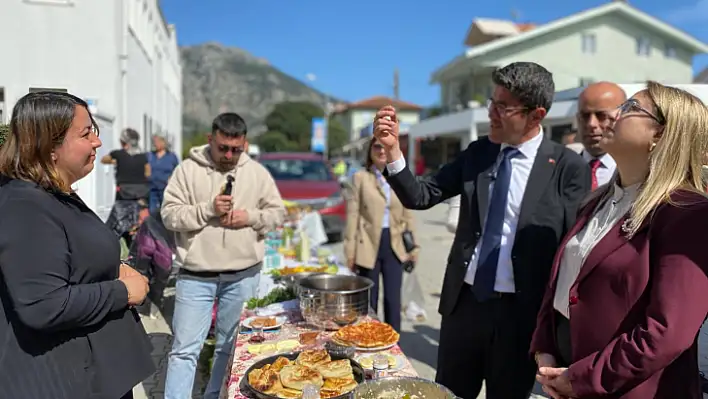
697,12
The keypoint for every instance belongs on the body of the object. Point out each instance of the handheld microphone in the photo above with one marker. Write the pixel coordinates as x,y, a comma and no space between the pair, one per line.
229,185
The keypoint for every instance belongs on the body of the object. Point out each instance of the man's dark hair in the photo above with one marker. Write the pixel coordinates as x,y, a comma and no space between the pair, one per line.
529,82
229,124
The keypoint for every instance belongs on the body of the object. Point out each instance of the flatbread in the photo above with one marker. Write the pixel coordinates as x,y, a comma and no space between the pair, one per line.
297,376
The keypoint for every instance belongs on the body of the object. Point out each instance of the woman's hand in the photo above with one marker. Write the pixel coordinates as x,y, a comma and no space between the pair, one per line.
138,288
555,382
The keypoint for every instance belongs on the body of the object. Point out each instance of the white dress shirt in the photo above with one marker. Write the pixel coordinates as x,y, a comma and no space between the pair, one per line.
521,166
605,171
580,245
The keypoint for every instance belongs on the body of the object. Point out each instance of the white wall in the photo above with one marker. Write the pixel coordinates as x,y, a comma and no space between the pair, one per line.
119,54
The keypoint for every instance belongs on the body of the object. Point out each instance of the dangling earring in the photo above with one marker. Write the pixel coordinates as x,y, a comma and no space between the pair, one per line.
54,157
652,146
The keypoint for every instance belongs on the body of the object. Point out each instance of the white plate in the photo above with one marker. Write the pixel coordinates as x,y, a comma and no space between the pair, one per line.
377,349
279,321
400,361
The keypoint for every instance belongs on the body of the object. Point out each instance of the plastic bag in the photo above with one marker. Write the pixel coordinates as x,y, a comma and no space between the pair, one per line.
413,299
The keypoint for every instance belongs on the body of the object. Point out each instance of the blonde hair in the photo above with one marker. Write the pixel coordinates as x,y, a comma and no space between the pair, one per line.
676,162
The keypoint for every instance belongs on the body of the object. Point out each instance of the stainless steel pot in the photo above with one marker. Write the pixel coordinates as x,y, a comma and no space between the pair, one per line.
398,387
333,301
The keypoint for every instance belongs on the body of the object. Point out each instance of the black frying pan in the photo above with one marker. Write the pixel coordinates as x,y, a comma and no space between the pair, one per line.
251,392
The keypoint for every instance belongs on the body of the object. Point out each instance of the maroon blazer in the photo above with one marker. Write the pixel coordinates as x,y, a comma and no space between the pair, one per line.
637,306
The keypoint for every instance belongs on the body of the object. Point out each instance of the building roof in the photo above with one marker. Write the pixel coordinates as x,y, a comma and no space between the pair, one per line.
619,7
378,102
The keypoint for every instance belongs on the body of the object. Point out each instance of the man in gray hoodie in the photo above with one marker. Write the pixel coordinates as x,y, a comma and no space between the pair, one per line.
219,237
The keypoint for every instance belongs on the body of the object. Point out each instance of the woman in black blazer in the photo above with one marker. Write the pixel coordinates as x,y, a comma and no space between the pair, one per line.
67,326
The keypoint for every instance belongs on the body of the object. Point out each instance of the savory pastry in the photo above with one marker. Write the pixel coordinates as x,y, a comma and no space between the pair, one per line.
336,369
367,335
339,385
297,376
264,322
264,380
313,358
280,363
287,393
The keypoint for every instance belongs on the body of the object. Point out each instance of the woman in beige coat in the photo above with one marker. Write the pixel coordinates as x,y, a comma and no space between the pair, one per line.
373,242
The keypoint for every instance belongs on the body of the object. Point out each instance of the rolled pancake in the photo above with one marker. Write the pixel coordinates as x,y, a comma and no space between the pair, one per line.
313,358
280,363
287,393
339,385
336,369
264,380
296,377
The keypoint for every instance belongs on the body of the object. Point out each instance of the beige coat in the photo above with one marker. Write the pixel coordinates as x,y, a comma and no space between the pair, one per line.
365,211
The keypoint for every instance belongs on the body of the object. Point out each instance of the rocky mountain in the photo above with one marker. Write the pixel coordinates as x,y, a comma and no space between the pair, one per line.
218,78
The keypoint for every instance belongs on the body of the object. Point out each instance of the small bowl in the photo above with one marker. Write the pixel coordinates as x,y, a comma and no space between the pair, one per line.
340,350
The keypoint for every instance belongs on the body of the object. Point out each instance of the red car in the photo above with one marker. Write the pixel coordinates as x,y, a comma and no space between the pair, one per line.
306,178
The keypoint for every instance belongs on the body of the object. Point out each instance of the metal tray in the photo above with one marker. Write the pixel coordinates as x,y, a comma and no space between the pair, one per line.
248,390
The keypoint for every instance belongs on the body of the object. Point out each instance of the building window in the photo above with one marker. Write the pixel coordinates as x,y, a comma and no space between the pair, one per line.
669,51
589,43
586,81
36,89
643,46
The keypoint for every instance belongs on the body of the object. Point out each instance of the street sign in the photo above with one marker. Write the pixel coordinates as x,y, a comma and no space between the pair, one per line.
319,135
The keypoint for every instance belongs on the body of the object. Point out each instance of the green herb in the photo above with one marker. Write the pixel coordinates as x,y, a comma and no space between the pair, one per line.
278,295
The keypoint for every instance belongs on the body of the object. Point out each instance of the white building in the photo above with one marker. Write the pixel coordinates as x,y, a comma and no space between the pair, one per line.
119,55
614,41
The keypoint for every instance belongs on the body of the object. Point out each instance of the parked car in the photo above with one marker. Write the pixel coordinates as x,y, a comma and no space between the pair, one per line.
306,178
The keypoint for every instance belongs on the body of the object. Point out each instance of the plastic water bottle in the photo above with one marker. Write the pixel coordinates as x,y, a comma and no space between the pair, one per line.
310,391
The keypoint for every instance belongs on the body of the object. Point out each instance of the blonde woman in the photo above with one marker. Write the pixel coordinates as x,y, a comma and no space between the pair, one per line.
373,241
626,297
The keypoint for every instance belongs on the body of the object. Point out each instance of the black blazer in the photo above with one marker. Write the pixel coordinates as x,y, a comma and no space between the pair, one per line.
558,181
66,331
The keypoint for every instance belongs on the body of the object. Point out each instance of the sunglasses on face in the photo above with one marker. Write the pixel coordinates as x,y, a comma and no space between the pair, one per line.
223,148
632,105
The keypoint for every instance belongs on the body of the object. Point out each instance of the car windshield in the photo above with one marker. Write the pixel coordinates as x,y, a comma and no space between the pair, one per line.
297,169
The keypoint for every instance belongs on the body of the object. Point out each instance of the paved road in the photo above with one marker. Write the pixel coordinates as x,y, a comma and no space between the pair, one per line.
419,341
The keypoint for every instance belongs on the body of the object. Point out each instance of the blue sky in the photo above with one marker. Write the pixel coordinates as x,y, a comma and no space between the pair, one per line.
353,47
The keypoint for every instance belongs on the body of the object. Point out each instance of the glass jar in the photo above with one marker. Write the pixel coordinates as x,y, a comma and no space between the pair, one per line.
381,366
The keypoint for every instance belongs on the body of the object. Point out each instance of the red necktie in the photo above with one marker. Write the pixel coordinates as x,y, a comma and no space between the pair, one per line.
594,166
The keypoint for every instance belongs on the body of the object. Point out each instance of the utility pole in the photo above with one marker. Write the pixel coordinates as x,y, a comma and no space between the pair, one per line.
395,84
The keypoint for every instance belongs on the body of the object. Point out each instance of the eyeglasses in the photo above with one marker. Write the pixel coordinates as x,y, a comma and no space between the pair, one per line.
501,108
223,148
632,105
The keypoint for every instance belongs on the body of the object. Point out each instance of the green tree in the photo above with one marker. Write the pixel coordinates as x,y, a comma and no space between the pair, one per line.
193,141
290,128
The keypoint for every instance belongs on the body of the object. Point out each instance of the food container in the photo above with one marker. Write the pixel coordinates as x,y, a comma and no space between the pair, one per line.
334,301
340,350
245,386
399,387
291,280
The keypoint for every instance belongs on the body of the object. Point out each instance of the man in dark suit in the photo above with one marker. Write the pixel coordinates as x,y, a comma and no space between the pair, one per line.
519,195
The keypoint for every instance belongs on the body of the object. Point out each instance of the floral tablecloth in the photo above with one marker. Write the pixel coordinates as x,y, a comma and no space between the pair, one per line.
242,359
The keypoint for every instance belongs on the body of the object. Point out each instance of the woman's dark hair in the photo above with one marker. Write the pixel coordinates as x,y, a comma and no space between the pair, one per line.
38,126
369,161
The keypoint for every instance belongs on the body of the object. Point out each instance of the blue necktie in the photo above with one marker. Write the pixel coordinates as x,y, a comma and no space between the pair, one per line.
486,274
